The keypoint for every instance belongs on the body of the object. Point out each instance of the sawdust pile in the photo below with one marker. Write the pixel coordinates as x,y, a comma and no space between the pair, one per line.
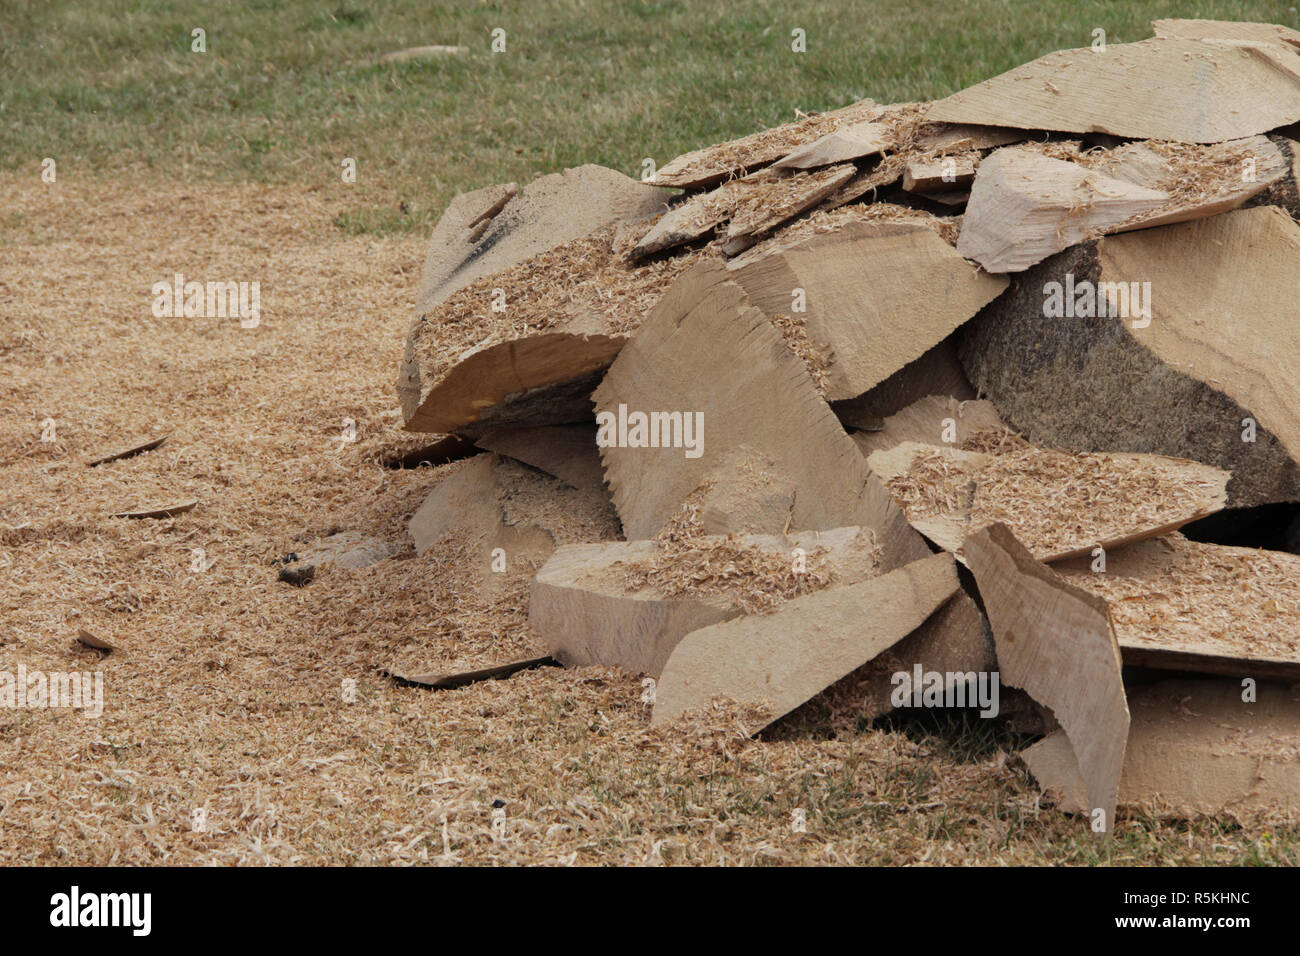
1199,591
688,564
1074,497
588,278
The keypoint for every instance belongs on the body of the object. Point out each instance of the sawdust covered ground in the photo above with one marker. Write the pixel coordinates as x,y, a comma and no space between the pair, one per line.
226,692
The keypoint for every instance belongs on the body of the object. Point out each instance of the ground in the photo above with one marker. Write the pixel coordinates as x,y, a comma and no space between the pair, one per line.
226,692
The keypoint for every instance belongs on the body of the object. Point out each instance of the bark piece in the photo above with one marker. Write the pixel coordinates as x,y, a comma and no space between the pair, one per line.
1198,91
161,511
1061,506
705,349
90,640
1200,335
785,658
856,282
583,606
128,453
465,678
1056,642
1186,605
1194,747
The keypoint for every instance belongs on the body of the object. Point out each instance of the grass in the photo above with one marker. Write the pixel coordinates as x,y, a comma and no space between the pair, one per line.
285,92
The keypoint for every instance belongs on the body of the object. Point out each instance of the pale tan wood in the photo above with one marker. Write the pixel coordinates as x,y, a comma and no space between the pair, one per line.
1139,163
1056,642
439,681
1226,30
1194,747
937,372
760,212
1192,91
924,421
955,137
708,166
784,658
482,387
841,146
566,451
950,530
582,608
705,348
940,175
857,281
1226,312
1240,617
1024,206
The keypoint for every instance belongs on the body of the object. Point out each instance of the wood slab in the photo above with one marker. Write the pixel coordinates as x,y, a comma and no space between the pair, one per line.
1195,91
858,281
785,658
705,348
1194,748
1056,642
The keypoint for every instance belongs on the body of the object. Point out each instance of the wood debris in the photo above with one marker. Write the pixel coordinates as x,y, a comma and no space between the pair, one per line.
717,425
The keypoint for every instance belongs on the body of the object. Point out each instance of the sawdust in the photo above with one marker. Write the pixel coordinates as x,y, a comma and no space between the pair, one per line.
1052,501
686,563
817,358
1198,593
589,279
751,152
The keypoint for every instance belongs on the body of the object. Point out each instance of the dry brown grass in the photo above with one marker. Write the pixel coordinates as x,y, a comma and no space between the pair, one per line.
225,692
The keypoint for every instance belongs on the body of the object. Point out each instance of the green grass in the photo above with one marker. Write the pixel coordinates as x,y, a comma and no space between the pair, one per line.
286,91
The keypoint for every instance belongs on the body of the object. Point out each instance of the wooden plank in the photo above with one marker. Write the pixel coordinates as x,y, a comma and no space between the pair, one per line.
1226,30
926,421
1024,206
566,451
1056,642
784,658
711,165
942,175
843,145
1198,91
585,609
535,380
